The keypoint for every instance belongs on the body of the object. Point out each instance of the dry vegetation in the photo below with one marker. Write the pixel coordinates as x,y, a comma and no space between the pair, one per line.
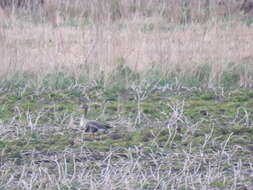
173,77
68,38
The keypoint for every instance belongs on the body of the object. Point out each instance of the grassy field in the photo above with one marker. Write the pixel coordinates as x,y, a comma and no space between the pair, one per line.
178,94
164,136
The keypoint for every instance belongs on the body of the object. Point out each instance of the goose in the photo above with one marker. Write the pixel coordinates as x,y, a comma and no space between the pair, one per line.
93,127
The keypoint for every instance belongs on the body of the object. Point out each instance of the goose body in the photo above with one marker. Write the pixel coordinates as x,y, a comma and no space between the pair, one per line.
96,127
93,127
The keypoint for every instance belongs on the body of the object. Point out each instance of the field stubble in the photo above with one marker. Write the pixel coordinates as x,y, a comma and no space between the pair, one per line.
168,90
162,139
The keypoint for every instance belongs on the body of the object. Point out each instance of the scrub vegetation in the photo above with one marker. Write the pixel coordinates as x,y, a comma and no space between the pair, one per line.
175,86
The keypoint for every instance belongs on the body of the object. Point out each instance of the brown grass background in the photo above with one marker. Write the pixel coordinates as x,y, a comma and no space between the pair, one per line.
140,34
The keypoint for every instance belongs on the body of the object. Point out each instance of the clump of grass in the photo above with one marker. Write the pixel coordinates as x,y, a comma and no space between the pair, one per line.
58,80
122,76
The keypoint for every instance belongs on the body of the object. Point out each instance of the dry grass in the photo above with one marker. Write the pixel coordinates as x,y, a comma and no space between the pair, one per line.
69,36
44,48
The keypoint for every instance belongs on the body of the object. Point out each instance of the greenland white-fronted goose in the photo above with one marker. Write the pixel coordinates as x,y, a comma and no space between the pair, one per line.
93,127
